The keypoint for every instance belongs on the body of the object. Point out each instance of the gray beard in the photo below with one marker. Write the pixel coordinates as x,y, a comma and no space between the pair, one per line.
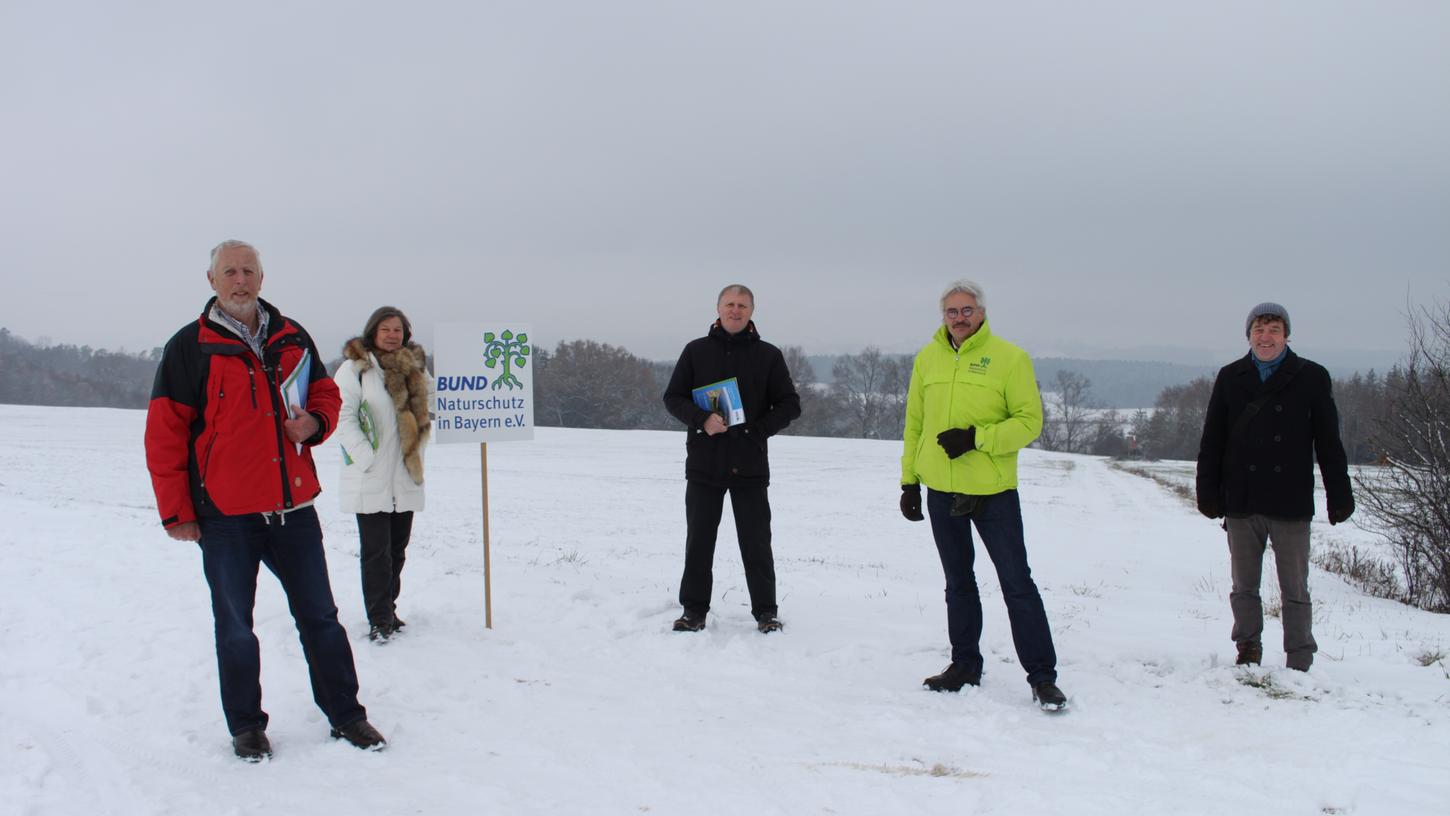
242,314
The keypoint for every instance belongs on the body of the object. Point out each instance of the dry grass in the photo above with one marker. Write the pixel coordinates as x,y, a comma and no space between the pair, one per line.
937,769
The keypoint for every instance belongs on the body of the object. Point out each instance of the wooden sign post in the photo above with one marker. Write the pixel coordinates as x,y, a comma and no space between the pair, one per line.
487,571
485,393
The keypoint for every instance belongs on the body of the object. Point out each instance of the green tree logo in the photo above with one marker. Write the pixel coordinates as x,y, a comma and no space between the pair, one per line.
509,351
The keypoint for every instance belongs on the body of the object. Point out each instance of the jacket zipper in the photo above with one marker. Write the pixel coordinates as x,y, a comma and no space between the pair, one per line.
277,413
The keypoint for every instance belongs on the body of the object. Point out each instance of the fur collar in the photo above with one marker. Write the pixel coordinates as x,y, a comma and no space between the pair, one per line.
405,376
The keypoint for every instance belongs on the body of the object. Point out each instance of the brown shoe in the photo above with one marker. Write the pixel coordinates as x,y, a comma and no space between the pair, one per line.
953,677
1251,653
689,622
252,746
362,735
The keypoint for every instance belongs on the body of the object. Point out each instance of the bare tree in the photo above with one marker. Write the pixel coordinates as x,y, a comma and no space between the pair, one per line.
870,391
1107,435
1408,498
1173,429
816,418
1066,414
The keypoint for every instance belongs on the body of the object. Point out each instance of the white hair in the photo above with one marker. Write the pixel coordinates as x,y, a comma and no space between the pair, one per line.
232,243
966,287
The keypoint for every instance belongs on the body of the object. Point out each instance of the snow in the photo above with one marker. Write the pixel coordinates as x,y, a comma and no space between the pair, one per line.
581,700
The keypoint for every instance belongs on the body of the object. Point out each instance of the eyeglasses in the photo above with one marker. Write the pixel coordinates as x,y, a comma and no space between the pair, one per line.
965,311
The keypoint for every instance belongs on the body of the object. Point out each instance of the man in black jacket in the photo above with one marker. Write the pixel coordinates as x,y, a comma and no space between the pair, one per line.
725,451
1270,416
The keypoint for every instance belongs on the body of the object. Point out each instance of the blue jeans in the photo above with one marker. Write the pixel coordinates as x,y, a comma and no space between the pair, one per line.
231,549
999,523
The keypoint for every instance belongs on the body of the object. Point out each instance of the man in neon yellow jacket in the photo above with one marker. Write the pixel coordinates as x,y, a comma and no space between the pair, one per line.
971,406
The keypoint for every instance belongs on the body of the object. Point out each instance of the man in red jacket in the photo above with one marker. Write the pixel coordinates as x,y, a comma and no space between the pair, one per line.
231,464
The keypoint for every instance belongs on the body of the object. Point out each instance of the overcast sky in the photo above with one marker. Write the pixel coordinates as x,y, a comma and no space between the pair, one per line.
1123,177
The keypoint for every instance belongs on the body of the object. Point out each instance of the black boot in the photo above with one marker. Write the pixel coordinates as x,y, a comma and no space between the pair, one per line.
953,677
689,622
1049,697
252,746
768,623
362,735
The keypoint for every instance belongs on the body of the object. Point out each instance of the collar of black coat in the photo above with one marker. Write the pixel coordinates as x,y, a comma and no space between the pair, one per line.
746,334
1291,365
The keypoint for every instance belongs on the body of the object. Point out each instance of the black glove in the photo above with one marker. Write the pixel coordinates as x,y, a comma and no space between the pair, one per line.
1210,507
911,502
1341,512
957,441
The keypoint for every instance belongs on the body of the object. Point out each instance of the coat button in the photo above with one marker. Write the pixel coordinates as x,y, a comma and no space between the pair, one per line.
1277,469
1278,408
1253,468
296,481
1278,438
736,471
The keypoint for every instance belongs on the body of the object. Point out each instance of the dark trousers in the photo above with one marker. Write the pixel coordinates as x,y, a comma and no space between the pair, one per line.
1246,543
703,506
231,549
999,523
383,539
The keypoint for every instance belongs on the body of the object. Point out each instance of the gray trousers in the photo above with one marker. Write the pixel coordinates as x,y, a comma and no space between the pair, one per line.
1246,539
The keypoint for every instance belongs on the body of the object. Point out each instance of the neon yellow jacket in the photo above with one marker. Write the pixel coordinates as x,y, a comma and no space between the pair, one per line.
989,385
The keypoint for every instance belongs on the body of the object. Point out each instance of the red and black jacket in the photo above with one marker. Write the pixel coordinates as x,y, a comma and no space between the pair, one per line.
215,445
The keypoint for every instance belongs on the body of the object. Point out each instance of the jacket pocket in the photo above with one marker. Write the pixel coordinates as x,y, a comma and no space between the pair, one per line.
747,455
203,462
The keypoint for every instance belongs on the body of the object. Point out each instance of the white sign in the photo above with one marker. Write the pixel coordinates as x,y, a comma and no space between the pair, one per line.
485,382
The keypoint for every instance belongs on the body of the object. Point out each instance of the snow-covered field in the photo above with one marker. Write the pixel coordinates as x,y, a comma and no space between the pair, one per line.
581,700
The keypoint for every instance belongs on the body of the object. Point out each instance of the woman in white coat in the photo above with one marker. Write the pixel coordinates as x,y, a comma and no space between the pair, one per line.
383,428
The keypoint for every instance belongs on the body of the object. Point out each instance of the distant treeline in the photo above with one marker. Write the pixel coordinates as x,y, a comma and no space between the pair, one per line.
1075,422
587,384
68,375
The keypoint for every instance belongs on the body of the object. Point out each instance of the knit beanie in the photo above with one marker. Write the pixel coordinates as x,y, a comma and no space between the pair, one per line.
1267,309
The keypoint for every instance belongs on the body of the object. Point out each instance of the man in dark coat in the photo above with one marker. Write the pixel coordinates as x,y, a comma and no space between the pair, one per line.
725,451
1270,417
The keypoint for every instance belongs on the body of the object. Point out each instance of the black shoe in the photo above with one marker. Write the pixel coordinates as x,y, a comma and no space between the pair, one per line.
252,746
1049,697
689,622
362,735
768,623
398,623
952,678
1251,653
380,632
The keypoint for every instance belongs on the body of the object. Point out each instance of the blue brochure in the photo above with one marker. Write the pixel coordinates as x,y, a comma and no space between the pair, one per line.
722,398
